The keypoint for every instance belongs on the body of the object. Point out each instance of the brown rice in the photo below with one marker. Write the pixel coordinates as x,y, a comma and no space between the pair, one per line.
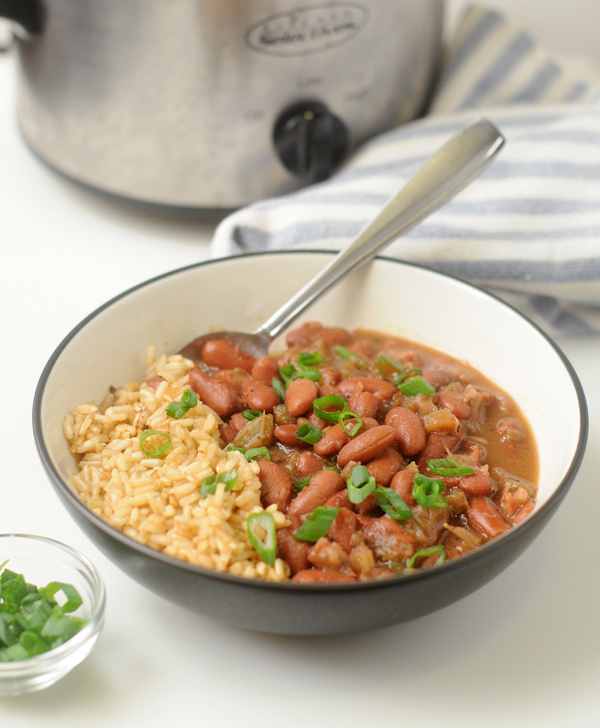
156,501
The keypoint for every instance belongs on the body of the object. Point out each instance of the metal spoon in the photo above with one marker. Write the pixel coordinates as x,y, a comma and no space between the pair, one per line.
443,176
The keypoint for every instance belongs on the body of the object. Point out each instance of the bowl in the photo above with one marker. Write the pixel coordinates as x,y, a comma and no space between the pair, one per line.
239,293
41,561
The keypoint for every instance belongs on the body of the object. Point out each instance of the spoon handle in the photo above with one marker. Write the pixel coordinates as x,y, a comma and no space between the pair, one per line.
443,176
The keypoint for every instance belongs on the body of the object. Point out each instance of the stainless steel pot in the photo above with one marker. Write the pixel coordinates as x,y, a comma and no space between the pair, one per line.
216,103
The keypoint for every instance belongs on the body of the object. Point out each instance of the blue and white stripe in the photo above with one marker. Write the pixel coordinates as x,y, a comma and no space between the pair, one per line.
527,229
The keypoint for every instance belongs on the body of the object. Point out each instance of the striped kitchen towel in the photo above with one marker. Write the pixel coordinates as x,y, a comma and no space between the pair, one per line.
528,229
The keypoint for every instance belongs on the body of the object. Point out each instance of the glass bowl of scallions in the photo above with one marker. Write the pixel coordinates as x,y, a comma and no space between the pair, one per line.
52,603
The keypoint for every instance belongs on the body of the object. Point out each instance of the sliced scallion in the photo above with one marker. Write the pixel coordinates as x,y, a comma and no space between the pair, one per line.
252,452
391,503
279,388
317,524
251,414
360,484
347,354
159,450
262,534
307,373
427,492
308,433
310,359
209,485
330,400
416,385
350,416
383,359
439,549
448,468
177,410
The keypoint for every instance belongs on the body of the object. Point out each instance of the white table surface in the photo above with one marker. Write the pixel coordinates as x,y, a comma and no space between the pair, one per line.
522,651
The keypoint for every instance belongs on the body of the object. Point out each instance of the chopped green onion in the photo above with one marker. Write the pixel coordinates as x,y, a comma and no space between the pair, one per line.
439,549
350,416
307,373
31,621
159,450
252,452
308,433
403,377
311,359
251,414
392,504
427,492
74,601
301,484
416,385
287,372
448,468
330,400
317,524
279,388
360,484
209,485
262,535
347,354
383,358
177,410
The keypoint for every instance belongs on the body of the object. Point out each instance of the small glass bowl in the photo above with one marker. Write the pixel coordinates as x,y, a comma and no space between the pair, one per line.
41,561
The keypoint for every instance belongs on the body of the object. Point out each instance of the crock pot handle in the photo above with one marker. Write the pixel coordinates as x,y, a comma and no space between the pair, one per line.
29,14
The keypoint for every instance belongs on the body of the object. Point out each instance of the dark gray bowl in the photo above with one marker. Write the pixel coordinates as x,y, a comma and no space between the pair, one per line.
109,347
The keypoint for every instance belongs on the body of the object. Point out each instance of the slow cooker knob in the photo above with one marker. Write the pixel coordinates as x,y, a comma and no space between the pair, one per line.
310,140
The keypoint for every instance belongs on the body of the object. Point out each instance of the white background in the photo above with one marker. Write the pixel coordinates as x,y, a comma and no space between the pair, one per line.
522,651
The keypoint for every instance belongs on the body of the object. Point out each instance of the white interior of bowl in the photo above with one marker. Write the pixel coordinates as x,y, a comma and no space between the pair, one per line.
388,296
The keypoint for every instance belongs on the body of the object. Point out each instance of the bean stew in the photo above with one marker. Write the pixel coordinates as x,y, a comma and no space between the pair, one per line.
385,456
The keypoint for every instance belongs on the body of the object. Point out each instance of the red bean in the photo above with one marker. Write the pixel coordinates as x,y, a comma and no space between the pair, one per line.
299,396
379,387
276,485
308,463
366,446
387,539
294,552
385,466
265,369
238,422
220,397
403,483
408,429
454,401
227,433
331,376
510,429
333,440
321,487
485,517
154,382
225,355
286,434
326,554
364,404
260,396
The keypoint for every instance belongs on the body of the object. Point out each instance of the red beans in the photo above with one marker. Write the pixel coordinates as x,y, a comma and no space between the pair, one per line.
220,397
408,429
321,487
398,435
265,369
225,355
299,396
276,485
260,396
366,446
